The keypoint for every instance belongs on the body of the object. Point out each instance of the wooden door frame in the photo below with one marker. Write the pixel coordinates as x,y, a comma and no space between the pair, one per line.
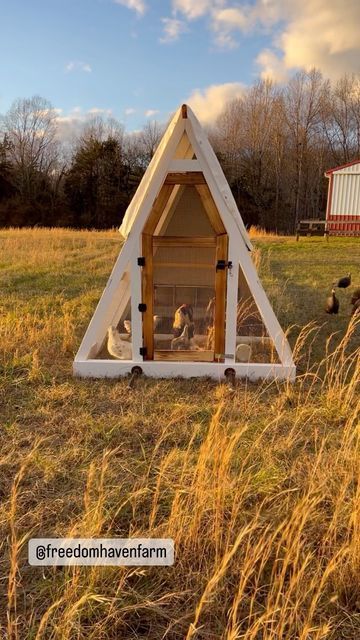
221,242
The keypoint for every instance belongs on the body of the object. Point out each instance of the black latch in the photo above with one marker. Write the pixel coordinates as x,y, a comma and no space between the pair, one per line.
222,264
142,307
143,351
141,261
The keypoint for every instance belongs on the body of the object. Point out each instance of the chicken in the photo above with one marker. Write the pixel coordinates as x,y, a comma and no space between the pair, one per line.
186,339
117,347
332,303
183,316
344,282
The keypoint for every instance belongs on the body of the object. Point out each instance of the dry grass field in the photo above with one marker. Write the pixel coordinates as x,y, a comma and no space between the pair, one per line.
258,485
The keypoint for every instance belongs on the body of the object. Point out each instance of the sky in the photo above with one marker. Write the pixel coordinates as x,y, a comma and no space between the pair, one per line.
140,59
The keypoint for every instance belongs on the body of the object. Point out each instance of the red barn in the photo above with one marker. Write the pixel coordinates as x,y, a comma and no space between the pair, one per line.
343,204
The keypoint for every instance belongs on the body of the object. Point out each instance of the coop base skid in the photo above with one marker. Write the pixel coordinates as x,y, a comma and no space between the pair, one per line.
117,369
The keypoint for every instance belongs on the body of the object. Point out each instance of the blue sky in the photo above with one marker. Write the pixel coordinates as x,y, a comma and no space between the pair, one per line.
139,59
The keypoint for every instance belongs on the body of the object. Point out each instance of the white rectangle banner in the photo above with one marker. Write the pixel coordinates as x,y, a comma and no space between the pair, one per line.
101,551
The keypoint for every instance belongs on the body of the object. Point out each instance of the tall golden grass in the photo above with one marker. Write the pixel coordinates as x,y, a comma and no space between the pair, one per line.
258,485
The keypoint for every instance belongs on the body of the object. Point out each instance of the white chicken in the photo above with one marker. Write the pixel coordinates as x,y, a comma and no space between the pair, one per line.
117,347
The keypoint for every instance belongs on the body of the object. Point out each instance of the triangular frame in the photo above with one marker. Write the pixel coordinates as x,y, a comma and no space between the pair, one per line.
184,129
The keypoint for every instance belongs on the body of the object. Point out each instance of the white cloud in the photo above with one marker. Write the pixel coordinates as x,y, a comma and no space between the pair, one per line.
193,9
305,33
324,34
150,113
70,125
97,111
136,5
209,103
272,67
77,65
129,111
172,29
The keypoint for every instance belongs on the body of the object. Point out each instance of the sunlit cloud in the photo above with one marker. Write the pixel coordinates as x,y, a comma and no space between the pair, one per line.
173,28
70,124
139,6
303,33
209,102
193,9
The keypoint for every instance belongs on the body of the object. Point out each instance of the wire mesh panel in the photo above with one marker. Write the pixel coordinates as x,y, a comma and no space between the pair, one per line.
184,285
253,343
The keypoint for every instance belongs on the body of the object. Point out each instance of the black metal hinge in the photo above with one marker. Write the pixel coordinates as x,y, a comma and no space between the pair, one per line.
143,351
142,307
221,265
141,261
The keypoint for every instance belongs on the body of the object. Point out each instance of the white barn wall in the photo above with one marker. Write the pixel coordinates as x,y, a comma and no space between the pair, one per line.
346,194
343,205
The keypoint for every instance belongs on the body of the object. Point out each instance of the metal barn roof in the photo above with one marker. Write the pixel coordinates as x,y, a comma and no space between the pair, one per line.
351,167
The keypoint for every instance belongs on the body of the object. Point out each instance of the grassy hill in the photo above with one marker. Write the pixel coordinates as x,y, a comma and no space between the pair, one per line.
258,485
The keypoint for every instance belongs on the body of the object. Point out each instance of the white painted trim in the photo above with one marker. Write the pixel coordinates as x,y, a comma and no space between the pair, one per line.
205,153
153,178
118,368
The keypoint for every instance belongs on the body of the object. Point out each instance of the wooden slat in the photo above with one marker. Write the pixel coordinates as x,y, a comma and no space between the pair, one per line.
180,165
147,296
185,356
220,294
210,208
157,209
185,265
189,177
184,241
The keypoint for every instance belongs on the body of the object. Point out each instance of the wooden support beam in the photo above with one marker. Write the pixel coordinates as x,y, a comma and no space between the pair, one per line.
184,241
185,356
157,209
190,177
210,208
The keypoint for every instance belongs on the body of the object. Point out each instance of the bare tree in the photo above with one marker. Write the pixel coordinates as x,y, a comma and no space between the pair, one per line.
304,100
149,139
30,129
342,119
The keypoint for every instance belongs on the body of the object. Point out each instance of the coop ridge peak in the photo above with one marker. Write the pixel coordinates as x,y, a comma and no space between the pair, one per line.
185,121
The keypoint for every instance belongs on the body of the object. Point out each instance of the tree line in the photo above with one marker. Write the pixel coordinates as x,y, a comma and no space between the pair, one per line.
274,144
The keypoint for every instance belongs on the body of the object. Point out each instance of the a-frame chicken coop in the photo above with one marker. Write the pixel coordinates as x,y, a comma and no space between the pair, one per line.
184,298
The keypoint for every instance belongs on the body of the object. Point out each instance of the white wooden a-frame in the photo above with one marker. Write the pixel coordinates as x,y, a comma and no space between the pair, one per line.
183,148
